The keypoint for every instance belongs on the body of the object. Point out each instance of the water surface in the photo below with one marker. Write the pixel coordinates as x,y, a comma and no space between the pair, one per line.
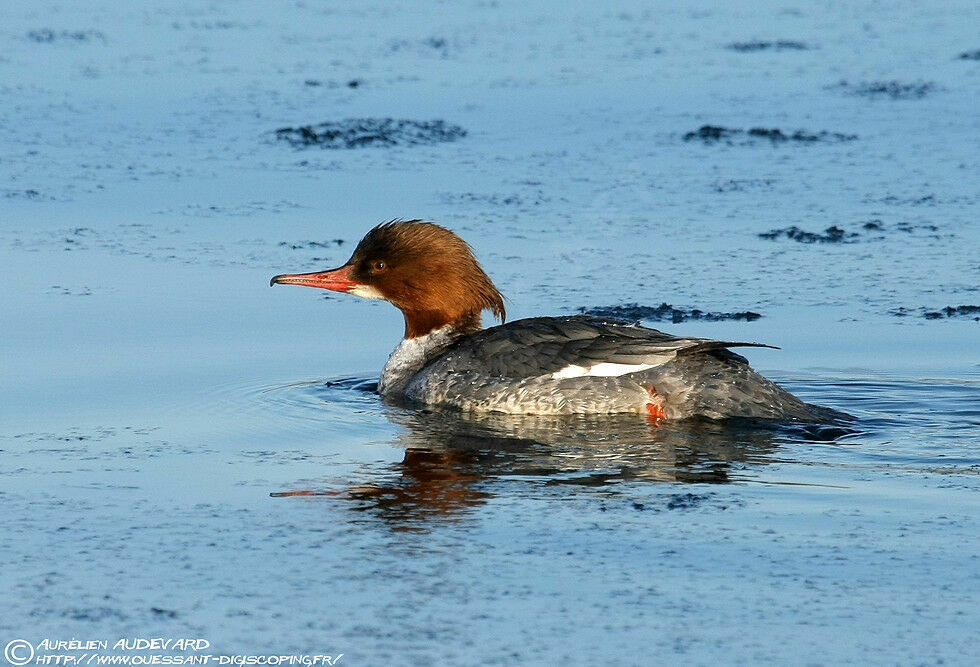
189,453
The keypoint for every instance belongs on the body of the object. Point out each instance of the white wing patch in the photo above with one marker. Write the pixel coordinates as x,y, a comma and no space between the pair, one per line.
603,369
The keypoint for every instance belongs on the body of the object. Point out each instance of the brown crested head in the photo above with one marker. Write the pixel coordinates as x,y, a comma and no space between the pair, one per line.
425,270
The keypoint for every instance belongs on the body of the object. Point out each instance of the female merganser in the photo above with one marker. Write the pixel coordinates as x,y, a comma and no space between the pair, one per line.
542,365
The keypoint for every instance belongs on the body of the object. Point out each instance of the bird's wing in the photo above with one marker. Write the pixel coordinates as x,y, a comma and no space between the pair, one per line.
572,347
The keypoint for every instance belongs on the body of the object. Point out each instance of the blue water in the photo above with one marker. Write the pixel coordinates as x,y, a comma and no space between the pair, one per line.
186,452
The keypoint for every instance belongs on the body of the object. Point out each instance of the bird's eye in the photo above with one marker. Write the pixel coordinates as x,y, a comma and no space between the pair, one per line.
380,266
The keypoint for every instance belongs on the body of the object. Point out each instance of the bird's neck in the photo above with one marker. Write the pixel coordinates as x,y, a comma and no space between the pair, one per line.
424,322
412,354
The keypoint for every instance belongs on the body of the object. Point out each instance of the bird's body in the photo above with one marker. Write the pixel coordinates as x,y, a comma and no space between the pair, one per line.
545,365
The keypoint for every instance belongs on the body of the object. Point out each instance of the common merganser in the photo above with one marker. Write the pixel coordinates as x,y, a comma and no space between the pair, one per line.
542,365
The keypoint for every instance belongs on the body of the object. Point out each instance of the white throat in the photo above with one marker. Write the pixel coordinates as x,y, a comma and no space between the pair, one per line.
411,355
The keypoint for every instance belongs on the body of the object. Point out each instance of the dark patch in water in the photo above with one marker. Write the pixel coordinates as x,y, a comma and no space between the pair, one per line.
437,43
24,194
75,238
686,501
665,313
678,501
238,210
208,25
830,235
492,200
926,200
165,613
438,46
94,614
711,134
315,83
742,184
776,135
835,234
969,55
69,291
495,200
895,90
77,435
46,35
967,312
303,245
362,132
779,45
908,227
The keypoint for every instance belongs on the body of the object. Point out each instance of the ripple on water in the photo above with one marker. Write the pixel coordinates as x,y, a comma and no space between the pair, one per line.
309,401
434,457
580,449
316,400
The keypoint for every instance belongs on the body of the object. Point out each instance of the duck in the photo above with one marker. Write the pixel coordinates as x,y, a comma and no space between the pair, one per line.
562,365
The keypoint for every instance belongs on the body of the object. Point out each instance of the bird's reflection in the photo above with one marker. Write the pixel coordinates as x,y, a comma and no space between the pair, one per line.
452,459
